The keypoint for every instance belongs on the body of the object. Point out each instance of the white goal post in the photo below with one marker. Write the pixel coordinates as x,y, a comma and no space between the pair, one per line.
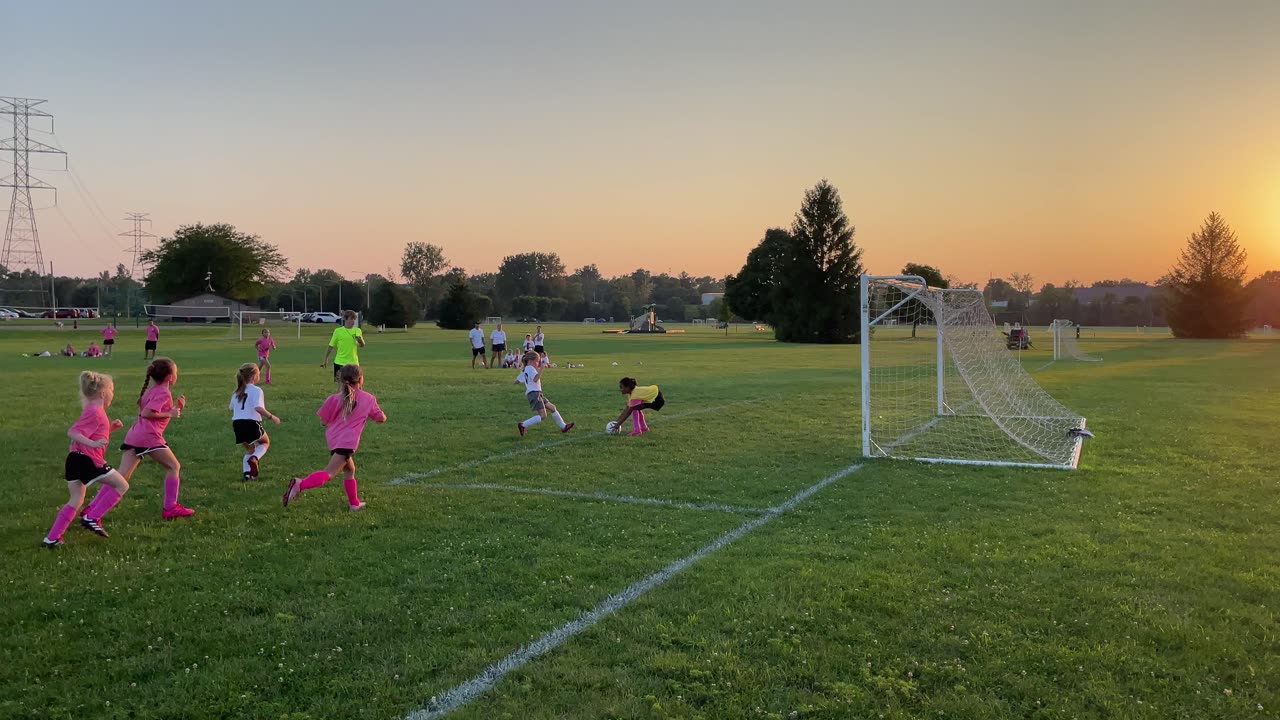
256,320
1064,342
939,384
493,320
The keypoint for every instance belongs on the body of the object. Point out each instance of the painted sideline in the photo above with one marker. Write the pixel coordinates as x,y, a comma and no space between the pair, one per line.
599,496
460,695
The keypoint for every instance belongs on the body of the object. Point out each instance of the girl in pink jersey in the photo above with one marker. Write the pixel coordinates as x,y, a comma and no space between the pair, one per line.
343,416
86,462
265,345
146,438
153,337
108,339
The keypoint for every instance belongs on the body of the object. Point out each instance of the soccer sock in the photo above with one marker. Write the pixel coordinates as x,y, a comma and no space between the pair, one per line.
244,463
637,421
353,497
532,421
559,420
259,451
171,492
65,516
106,499
314,480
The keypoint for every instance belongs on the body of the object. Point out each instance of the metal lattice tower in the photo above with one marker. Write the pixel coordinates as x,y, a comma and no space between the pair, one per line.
137,233
21,238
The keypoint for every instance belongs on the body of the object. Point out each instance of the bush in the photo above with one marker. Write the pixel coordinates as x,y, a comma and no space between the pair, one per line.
460,308
393,306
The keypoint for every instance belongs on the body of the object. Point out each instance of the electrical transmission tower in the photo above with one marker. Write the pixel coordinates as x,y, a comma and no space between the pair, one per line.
21,239
137,233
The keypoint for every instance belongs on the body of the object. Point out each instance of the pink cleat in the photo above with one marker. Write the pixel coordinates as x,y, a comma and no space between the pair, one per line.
294,489
521,428
357,508
253,467
177,511
567,427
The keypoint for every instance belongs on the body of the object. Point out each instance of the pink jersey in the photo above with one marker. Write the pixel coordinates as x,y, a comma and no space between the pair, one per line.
345,432
265,345
94,425
109,332
146,432
153,333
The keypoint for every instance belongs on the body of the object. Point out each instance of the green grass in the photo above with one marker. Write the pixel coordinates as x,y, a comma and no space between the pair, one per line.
1144,585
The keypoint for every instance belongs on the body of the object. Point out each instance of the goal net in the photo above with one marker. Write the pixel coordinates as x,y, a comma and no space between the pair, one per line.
188,313
1064,342
939,384
492,320
251,323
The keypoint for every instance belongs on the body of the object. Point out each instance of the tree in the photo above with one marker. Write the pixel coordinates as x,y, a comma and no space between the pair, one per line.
723,314
933,277
588,276
1206,293
1265,291
749,294
815,298
537,274
420,265
674,310
393,306
237,265
460,308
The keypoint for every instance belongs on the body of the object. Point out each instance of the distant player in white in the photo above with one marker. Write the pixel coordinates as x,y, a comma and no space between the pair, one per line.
477,345
498,346
531,378
539,341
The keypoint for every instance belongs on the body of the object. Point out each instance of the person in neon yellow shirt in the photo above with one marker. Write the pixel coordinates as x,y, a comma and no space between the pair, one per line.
639,399
344,345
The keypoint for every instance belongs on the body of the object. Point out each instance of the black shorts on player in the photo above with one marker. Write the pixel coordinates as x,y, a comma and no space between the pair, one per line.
499,347
477,352
344,452
151,345
247,431
81,468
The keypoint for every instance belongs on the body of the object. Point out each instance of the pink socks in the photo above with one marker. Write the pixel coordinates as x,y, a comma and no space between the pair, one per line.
638,425
65,516
314,480
106,499
170,492
353,497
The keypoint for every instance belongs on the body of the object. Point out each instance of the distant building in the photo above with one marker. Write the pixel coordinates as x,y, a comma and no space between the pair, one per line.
205,307
708,298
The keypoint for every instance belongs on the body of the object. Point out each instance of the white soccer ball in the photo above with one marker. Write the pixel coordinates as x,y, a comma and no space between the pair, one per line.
615,364
611,427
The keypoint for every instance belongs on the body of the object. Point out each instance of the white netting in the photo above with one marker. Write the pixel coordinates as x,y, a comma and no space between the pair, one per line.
250,323
1064,342
940,384
189,313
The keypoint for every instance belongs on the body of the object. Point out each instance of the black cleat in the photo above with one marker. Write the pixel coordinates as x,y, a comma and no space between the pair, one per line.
52,544
93,525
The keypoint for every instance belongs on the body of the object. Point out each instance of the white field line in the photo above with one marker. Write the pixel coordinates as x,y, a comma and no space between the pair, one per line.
599,496
555,443
460,695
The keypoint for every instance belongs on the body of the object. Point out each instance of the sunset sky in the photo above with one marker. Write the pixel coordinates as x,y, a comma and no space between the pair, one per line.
1070,140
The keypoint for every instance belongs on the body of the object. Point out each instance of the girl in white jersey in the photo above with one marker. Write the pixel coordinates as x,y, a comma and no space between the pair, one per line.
248,410
531,378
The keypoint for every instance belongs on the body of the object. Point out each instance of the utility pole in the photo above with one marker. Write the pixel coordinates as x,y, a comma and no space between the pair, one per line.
137,233
21,238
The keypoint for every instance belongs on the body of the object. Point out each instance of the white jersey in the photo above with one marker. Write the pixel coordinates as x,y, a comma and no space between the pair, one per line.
528,345
247,409
498,337
477,338
529,376
539,339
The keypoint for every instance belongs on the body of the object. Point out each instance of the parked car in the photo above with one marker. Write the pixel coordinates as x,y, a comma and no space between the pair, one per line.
7,314
291,317
67,313
26,314
325,317
306,317
88,313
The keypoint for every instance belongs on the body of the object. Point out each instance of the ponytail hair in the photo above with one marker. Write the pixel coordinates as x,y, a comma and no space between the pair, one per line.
529,357
93,384
244,376
350,376
158,371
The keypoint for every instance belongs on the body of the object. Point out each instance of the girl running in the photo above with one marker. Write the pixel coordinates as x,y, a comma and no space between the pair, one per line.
343,416
265,345
639,399
86,462
531,377
156,407
108,339
248,410
153,337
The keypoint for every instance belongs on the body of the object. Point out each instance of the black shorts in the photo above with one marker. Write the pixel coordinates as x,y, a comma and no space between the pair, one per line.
337,369
344,452
477,352
499,347
539,349
142,451
81,468
112,341
247,431
657,403
151,345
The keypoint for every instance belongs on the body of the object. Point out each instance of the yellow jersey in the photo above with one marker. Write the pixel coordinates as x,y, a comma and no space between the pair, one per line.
644,393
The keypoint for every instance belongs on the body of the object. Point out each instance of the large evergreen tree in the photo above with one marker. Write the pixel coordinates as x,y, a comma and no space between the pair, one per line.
460,308
749,294
815,298
393,306
237,265
1206,293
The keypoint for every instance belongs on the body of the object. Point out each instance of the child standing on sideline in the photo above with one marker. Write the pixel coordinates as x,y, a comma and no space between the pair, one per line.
539,343
498,340
343,416
476,337
528,343
248,410
156,407
108,338
265,345
531,377
153,337
639,399
86,462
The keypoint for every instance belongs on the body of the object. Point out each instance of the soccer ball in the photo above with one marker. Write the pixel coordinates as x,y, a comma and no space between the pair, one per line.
611,428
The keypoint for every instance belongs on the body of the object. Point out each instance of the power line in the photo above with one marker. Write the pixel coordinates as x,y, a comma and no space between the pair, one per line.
137,234
21,237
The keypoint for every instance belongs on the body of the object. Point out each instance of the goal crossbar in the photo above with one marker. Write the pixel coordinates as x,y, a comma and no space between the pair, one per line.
260,318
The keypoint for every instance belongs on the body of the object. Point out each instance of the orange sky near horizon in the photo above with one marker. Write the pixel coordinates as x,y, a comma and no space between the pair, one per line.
1079,142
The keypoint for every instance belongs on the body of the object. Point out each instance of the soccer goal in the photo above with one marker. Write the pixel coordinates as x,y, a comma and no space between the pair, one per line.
939,385
493,320
188,313
1064,342
250,323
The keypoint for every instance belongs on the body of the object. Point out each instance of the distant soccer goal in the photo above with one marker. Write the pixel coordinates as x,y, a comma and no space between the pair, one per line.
188,313
492,320
1064,342
250,323
939,385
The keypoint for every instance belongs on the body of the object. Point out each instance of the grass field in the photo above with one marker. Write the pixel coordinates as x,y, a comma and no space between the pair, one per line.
1144,585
